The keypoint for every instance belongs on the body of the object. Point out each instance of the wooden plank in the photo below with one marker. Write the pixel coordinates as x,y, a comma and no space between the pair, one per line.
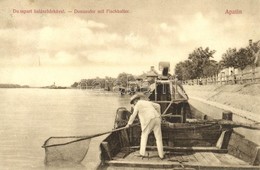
200,158
171,138
186,158
227,159
191,167
221,157
129,168
131,155
192,159
195,135
226,167
116,168
235,160
151,165
186,149
143,163
177,159
211,158
190,143
139,168
207,159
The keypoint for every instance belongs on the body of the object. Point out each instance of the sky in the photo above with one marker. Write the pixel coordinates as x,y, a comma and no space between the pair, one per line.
38,49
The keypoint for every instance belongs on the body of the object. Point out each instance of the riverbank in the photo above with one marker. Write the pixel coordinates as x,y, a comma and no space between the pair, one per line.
242,100
245,97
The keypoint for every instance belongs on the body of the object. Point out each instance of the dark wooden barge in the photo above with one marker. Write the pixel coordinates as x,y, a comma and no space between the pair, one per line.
191,141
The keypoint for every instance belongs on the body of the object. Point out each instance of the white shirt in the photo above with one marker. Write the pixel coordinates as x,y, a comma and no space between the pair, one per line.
146,111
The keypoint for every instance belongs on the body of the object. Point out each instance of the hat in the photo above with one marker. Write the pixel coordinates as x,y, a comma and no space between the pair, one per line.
136,96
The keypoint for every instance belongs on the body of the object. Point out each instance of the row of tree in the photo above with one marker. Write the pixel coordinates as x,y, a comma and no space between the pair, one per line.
107,82
200,62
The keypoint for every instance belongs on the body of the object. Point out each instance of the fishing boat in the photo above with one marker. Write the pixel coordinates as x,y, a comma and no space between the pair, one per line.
191,139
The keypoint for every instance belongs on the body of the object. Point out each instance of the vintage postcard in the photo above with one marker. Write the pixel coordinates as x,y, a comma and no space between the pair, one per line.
129,84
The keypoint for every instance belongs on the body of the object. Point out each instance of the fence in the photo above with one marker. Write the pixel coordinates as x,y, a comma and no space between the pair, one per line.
251,76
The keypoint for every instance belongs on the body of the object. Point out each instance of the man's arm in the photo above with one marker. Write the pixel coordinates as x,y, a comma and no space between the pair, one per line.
132,117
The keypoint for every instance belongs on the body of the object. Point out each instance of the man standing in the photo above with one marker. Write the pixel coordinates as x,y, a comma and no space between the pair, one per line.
150,118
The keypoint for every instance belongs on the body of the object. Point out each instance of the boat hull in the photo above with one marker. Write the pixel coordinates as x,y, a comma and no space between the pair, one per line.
191,145
118,151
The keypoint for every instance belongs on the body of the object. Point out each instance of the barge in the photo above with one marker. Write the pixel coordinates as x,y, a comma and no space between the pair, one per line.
191,140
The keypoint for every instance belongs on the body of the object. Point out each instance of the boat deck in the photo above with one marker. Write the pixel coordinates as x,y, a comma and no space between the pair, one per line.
177,160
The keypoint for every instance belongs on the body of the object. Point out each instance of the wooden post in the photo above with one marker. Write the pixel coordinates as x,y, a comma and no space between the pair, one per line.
227,115
253,74
204,117
241,81
224,138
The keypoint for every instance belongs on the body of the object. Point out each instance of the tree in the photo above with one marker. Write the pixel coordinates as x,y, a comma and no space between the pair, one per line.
199,64
228,58
237,59
75,84
243,58
200,58
183,70
211,69
255,49
123,78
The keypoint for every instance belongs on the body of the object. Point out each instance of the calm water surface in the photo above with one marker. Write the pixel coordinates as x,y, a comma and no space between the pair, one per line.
30,116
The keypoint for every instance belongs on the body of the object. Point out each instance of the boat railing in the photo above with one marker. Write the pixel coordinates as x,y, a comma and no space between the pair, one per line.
175,90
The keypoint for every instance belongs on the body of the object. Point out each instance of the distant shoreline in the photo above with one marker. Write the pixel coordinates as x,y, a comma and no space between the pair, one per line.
13,86
27,86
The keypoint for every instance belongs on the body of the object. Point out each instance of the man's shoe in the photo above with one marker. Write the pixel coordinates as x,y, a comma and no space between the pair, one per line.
162,158
142,156
138,155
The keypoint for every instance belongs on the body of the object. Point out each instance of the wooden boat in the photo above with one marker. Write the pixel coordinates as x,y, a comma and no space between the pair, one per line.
191,141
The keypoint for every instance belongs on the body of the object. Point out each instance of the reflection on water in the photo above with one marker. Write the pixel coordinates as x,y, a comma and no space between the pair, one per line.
30,116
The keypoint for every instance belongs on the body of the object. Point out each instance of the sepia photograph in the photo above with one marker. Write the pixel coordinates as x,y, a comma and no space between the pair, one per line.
129,85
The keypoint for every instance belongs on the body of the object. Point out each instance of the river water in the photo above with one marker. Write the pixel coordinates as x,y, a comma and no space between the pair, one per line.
30,116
